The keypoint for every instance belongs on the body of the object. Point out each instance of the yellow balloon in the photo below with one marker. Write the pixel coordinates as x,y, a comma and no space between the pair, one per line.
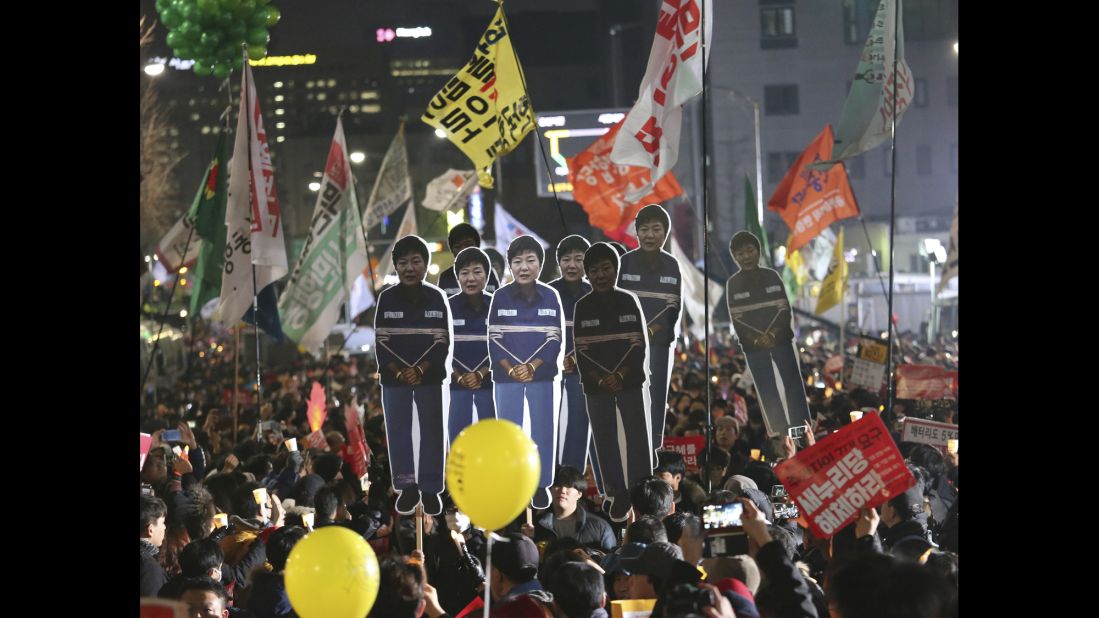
332,573
492,472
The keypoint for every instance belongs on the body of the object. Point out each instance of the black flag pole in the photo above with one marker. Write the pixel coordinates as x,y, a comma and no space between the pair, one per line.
706,245
892,204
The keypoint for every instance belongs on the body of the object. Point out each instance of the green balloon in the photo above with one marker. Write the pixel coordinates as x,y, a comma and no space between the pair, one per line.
188,29
262,2
257,37
208,7
223,19
258,52
229,5
186,53
170,18
238,63
245,9
179,4
273,16
221,71
209,41
174,39
202,68
162,4
190,13
258,18
236,32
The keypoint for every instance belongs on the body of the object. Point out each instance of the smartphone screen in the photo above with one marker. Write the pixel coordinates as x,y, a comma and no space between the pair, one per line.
798,435
717,517
172,435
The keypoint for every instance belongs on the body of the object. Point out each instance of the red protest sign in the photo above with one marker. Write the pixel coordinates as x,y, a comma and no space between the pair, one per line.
690,447
926,382
356,449
316,440
857,467
145,445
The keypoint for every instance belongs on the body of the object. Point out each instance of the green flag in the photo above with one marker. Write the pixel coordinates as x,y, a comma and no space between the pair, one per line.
208,214
751,212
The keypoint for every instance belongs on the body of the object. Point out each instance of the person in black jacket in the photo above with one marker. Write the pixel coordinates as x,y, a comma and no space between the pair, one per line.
566,519
153,512
453,560
788,592
905,531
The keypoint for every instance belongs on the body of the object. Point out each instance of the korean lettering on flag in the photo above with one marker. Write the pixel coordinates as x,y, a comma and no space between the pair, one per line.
650,133
484,109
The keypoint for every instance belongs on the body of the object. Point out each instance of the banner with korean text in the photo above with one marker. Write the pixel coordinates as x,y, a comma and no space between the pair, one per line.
857,467
923,431
926,382
484,109
690,447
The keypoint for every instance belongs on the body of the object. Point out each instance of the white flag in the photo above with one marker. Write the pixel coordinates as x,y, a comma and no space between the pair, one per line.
867,115
650,134
362,296
693,292
174,250
950,269
252,218
408,227
449,189
332,257
393,186
508,229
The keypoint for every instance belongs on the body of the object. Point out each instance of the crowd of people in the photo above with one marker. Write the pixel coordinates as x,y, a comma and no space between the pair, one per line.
225,497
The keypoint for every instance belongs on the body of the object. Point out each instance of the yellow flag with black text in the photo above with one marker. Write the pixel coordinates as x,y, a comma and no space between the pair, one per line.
831,291
484,109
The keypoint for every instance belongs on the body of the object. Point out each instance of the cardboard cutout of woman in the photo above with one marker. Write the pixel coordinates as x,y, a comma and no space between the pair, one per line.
471,382
460,237
763,321
525,329
653,275
612,358
571,287
414,345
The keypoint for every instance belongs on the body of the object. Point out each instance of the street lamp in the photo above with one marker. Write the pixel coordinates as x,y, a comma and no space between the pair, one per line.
936,254
759,155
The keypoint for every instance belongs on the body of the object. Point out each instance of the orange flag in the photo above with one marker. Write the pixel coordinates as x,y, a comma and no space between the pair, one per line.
809,200
600,185
316,412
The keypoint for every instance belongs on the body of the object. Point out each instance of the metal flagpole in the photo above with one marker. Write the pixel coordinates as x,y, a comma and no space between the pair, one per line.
892,204
706,245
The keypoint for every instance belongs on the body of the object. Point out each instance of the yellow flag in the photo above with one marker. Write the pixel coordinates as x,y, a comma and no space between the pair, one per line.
797,265
835,281
484,109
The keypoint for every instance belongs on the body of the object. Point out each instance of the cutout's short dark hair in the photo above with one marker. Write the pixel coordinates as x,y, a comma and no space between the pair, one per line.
570,244
461,231
524,244
410,244
600,252
743,238
654,212
471,255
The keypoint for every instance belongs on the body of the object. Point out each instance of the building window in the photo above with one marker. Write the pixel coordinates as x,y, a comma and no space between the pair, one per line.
777,28
921,93
858,17
923,160
780,100
778,163
952,91
321,96
954,157
888,154
930,20
856,167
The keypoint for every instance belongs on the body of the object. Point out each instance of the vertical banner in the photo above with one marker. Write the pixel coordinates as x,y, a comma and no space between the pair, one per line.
393,186
650,132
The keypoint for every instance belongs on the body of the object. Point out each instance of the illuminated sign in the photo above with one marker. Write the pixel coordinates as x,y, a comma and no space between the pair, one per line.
564,135
270,61
385,35
282,61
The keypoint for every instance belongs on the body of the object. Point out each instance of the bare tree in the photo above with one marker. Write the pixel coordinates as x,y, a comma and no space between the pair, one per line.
160,200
